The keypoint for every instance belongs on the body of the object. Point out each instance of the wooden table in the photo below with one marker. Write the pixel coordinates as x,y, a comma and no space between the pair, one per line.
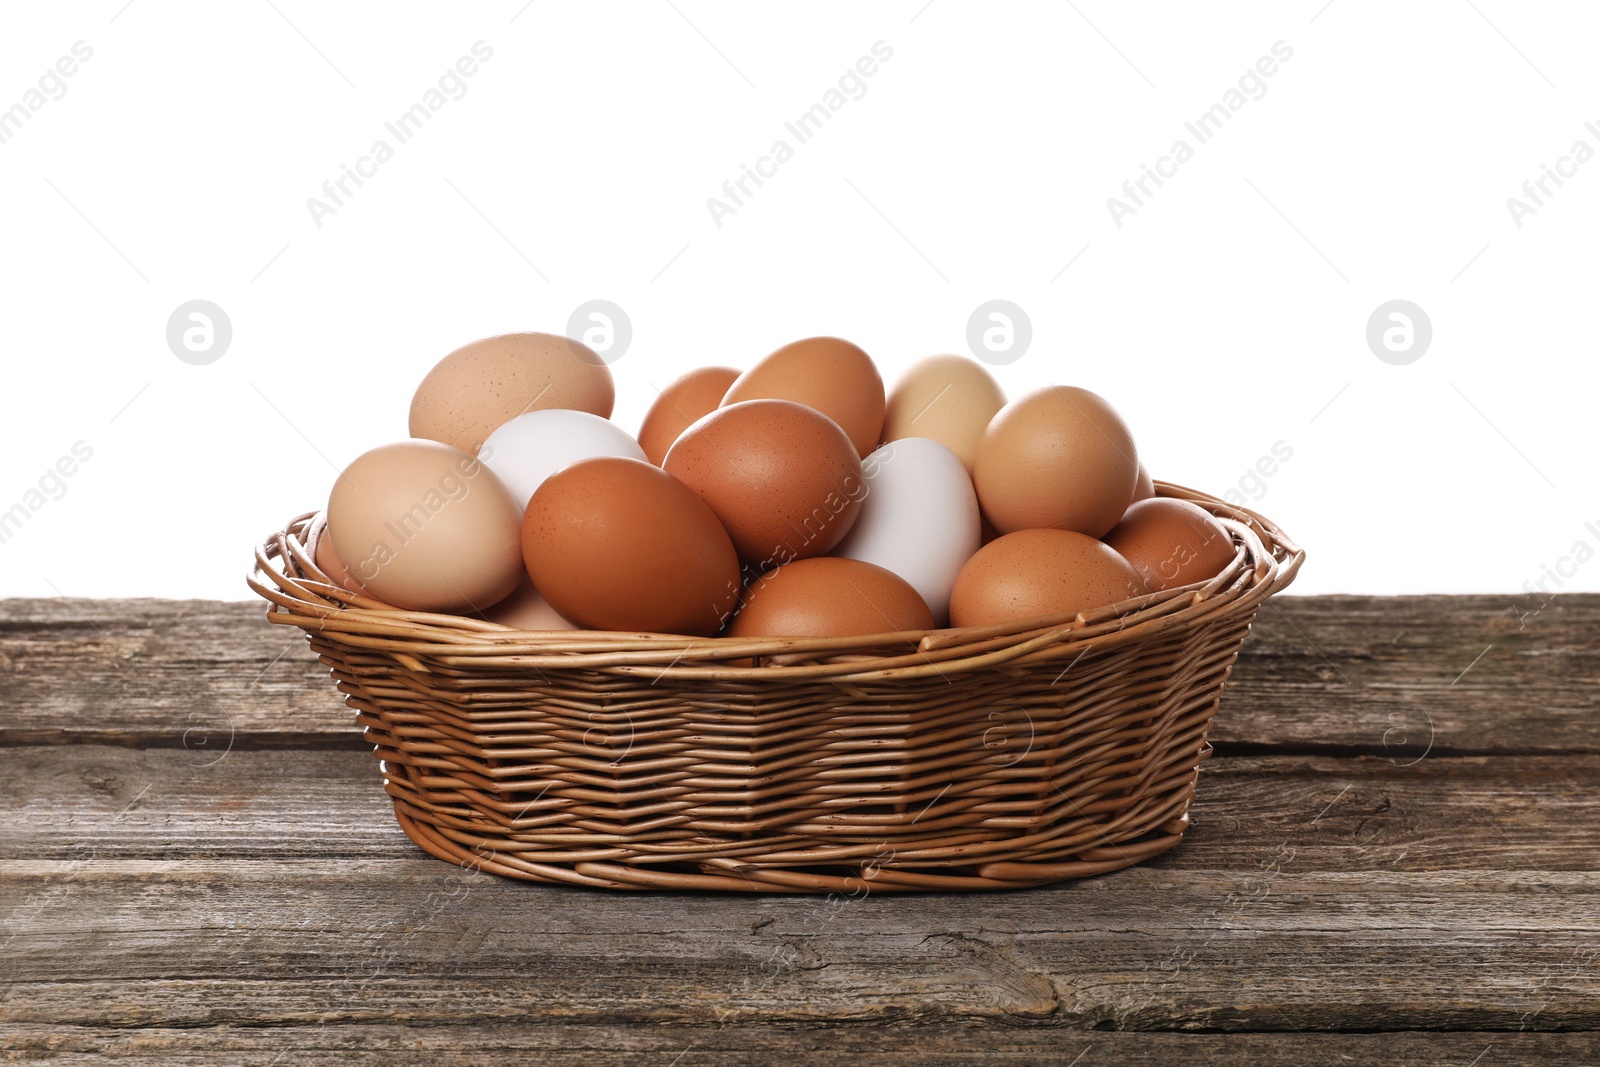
1395,858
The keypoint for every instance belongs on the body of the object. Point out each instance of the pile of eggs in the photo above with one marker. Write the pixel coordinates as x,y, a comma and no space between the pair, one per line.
795,499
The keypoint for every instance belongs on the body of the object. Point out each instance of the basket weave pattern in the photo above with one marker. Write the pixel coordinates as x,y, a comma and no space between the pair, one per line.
985,758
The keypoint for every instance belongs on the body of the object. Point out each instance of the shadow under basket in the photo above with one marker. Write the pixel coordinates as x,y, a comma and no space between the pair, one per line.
960,759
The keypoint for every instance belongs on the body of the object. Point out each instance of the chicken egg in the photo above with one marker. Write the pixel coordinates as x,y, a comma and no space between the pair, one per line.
426,526
1032,573
1144,487
919,518
328,561
1058,458
827,373
530,447
783,478
619,544
1172,542
479,386
829,597
527,609
948,399
680,406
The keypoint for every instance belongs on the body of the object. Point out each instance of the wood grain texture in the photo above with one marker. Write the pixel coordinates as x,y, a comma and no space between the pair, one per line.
292,945
1394,858
1364,814
162,673
1398,676
887,1043
1313,894
1379,675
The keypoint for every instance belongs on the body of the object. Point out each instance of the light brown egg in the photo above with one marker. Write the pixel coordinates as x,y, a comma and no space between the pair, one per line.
949,399
619,544
827,373
527,609
426,526
328,560
1032,573
1145,487
476,388
829,597
1058,458
784,479
1172,542
680,405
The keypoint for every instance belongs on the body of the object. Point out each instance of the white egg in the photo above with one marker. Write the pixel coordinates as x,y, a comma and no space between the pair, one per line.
534,445
919,518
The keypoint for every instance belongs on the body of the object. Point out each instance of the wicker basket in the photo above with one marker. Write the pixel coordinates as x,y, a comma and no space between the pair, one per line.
978,758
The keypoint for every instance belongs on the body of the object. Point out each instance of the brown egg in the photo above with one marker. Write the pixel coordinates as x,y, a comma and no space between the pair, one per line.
829,597
328,560
476,388
426,526
1033,573
1145,487
784,480
680,405
1057,458
619,544
1172,542
527,609
826,373
949,399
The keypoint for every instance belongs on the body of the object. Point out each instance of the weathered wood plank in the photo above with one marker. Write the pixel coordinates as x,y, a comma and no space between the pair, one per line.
1512,814
1313,894
174,673
1382,675
1399,676
889,1044
287,946
196,858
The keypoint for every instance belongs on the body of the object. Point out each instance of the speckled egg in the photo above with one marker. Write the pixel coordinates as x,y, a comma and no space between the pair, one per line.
480,386
784,479
827,373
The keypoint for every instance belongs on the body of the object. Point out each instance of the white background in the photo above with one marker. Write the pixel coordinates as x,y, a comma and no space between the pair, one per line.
1228,314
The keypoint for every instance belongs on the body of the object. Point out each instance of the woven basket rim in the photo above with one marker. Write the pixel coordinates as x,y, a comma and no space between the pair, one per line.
299,593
